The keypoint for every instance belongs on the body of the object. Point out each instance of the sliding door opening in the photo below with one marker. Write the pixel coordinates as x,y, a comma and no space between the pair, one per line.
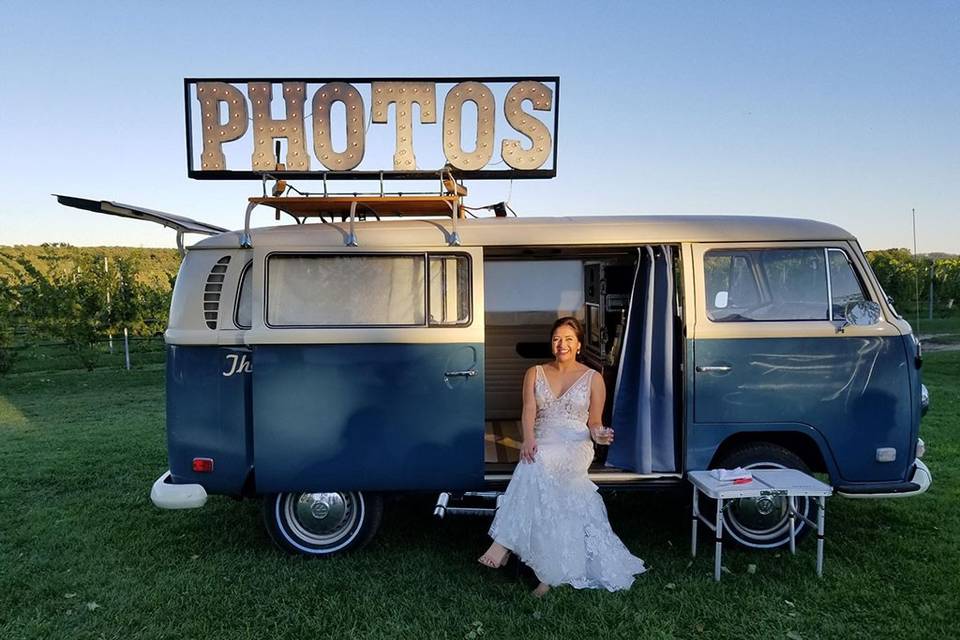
609,291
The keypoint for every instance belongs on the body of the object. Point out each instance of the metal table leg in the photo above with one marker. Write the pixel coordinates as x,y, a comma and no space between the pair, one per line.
718,550
821,509
696,519
793,525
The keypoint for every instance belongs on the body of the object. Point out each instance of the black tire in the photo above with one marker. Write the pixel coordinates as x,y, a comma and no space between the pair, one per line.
322,524
763,523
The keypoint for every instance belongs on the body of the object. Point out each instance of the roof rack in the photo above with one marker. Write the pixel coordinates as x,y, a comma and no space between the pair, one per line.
378,206
446,203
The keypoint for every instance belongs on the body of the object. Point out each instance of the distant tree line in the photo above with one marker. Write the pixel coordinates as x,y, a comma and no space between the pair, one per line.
908,280
79,296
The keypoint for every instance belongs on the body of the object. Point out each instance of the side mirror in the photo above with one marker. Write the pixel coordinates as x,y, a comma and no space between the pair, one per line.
861,314
720,300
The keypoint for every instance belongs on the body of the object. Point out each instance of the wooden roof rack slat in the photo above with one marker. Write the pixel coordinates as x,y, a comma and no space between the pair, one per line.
359,207
410,206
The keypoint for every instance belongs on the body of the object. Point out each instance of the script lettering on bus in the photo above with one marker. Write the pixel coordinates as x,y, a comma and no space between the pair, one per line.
226,115
237,364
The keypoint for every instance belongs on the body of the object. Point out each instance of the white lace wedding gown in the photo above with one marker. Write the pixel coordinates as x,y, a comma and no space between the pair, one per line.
551,515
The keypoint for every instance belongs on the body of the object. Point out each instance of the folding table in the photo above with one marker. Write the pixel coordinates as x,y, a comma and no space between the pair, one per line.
768,485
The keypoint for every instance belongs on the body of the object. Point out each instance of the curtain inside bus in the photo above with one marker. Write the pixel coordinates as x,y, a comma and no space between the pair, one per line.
643,406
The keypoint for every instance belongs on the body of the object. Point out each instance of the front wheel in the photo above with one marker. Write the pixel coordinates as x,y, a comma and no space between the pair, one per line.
764,522
322,524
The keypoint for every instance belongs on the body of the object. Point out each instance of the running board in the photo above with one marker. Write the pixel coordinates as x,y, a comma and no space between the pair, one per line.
445,499
605,477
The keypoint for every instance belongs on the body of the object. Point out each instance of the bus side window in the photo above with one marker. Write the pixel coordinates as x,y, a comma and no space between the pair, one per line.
243,314
845,286
449,290
732,283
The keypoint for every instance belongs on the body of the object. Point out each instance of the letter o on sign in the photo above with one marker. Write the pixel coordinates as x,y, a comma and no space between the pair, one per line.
323,100
481,96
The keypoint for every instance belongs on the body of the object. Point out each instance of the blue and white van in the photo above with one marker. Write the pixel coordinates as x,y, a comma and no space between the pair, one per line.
320,367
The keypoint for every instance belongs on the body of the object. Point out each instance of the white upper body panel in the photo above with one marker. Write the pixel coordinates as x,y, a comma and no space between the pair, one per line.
565,231
190,309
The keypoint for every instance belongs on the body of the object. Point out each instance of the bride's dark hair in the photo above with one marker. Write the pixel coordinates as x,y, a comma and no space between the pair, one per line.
571,322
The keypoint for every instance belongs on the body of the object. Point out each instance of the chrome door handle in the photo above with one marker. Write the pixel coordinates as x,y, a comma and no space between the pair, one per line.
469,373
716,368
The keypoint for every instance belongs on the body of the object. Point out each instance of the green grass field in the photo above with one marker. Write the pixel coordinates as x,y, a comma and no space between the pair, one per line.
84,554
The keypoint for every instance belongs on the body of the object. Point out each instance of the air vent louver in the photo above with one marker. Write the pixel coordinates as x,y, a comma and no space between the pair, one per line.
212,290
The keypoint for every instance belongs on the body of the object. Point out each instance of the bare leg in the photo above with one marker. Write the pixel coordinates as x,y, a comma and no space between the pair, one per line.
541,590
495,557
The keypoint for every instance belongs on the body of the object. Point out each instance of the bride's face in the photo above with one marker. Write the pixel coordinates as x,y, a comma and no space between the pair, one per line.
564,344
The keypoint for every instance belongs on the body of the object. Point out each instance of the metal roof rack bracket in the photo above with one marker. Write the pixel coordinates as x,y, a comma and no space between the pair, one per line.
245,238
351,239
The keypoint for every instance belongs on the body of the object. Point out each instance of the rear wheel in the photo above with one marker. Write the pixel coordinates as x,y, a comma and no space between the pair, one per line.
764,523
322,524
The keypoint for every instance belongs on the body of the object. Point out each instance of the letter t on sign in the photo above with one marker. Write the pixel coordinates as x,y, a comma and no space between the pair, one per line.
404,95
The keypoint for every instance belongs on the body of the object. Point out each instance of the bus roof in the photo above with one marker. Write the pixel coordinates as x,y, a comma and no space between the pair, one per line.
545,231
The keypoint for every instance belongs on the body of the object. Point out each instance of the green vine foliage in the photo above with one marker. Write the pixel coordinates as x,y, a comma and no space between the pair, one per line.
79,306
907,279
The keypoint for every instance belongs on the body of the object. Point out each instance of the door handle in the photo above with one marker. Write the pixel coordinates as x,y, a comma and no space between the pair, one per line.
715,368
469,373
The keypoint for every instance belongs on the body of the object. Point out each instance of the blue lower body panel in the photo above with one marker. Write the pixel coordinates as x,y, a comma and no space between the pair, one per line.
380,417
208,415
851,395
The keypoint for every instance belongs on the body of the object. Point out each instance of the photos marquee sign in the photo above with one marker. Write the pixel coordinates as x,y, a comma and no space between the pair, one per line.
372,128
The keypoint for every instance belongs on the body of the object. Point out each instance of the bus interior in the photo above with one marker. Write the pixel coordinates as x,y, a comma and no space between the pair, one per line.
527,289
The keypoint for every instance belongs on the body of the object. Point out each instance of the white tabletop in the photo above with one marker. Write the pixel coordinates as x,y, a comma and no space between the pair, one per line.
765,482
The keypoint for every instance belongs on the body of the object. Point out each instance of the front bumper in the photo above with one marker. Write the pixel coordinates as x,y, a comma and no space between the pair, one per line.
919,482
166,495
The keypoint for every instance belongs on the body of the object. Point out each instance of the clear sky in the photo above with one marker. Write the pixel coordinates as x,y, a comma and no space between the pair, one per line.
847,112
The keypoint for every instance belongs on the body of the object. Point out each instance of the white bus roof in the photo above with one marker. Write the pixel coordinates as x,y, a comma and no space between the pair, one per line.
552,231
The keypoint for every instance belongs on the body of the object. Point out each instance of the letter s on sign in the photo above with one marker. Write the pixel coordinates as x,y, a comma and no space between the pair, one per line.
538,134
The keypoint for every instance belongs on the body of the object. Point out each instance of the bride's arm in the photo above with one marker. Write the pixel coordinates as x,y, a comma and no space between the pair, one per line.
598,396
529,447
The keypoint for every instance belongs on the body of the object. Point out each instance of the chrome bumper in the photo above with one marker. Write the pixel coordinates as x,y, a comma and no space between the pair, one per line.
921,477
166,495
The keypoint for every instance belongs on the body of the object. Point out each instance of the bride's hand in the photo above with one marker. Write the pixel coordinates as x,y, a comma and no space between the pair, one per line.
602,435
528,450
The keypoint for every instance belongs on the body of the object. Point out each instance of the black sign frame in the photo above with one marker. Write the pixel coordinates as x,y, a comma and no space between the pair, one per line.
477,174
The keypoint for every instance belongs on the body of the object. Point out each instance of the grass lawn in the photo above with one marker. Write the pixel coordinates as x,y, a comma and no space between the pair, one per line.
84,554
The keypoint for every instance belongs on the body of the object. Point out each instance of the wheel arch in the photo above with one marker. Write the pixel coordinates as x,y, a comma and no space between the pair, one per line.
800,443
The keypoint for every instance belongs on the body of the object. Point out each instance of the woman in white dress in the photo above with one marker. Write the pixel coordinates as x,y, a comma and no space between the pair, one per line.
551,515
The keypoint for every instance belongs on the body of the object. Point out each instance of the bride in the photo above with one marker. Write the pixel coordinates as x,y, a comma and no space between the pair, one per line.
551,515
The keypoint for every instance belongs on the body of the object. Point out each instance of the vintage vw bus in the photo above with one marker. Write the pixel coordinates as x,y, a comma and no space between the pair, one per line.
322,366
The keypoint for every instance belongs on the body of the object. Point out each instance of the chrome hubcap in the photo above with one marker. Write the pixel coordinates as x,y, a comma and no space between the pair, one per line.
765,519
764,506
322,518
759,516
